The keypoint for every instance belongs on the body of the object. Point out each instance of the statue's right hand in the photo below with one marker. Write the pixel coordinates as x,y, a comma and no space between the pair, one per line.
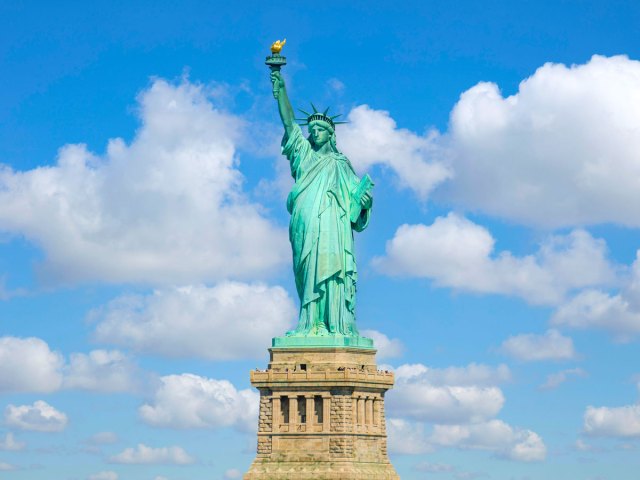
278,83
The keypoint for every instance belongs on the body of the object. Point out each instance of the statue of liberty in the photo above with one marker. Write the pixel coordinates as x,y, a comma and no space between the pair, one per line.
327,203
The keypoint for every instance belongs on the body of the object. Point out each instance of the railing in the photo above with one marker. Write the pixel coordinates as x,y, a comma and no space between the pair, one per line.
327,375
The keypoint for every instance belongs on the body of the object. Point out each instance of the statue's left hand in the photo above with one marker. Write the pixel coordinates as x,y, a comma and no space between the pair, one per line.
366,201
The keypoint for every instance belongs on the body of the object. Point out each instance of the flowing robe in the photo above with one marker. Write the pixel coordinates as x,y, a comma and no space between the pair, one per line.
321,235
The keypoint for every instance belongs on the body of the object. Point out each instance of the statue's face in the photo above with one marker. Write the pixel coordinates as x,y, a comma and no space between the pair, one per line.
319,135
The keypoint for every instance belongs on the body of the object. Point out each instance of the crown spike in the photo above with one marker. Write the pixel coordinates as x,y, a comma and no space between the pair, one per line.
318,116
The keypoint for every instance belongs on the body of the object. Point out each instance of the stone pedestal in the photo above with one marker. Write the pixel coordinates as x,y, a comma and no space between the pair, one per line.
322,416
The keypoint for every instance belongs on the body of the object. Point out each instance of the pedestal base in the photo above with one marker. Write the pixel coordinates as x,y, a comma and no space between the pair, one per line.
328,341
322,416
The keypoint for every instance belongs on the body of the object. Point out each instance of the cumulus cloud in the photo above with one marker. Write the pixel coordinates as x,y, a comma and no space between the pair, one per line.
166,208
494,435
617,312
372,137
143,454
412,438
579,122
598,309
231,320
43,370
9,443
39,367
386,347
101,371
455,252
191,401
407,437
623,422
473,374
460,402
531,347
446,396
39,417
447,404
104,475
556,379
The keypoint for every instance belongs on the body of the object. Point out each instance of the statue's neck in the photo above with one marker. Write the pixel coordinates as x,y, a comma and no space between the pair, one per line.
324,149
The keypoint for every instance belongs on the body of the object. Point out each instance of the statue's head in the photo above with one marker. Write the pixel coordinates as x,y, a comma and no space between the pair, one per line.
322,127
320,133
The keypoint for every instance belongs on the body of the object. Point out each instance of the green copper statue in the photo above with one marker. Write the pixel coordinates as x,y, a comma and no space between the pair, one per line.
327,203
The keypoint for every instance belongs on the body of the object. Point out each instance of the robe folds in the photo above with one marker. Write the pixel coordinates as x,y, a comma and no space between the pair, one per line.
321,236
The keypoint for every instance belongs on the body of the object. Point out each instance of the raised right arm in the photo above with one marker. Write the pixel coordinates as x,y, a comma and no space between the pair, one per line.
284,105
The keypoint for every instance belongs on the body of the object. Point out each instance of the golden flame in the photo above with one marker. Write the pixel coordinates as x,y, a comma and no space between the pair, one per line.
277,46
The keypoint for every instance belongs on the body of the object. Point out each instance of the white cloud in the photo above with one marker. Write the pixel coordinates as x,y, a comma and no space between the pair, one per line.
531,347
447,404
43,370
101,371
619,312
228,321
473,374
104,475
494,435
461,403
372,137
612,421
40,417
167,208
143,454
458,253
597,309
564,150
407,437
191,401
386,347
554,380
39,367
9,443
444,396
528,447
410,438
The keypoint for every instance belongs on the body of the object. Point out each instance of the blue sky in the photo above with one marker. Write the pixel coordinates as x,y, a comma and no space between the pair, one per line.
144,261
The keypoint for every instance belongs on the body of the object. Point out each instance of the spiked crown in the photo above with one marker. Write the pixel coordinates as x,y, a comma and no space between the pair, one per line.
317,116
